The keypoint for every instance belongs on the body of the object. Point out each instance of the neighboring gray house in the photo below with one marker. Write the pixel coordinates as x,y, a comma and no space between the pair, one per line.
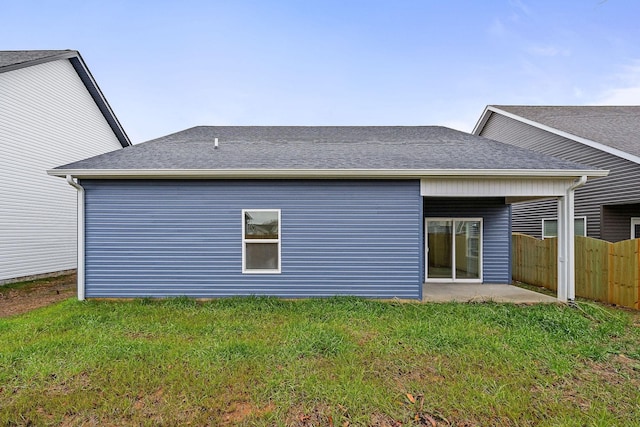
308,211
605,137
51,112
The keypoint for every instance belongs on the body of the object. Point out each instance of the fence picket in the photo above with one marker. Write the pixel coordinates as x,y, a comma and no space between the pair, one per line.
608,272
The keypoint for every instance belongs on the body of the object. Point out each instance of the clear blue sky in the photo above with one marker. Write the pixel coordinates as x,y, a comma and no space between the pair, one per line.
168,65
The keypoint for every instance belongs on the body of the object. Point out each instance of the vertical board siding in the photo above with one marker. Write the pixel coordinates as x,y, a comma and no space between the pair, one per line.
496,241
622,186
169,238
47,119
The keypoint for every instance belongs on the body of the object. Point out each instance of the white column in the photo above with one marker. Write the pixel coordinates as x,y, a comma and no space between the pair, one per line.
566,247
571,246
562,250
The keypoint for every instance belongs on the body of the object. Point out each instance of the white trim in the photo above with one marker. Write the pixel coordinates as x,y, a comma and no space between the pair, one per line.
588,142
634,221
453,251
245,241
584,218
484,118
526,188
321,173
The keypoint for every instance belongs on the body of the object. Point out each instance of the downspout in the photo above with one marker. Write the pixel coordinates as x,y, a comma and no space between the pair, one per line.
80,214
571,256
578,183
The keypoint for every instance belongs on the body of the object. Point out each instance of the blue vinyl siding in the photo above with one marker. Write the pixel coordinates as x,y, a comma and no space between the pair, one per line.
496,241
168,238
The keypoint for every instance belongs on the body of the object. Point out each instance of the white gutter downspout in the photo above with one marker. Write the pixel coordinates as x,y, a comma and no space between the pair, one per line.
80,209
566,243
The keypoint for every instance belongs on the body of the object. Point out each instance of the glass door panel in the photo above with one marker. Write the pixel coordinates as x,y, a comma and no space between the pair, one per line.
440,247
467,262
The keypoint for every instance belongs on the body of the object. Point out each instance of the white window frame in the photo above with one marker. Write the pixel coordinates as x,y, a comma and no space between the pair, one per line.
634,221
246,242
584,218
454,220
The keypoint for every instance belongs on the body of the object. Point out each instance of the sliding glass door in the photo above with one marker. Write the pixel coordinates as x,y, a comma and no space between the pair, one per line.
454,249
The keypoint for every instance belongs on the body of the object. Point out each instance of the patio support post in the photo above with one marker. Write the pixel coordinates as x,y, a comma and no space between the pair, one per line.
567,243
563,277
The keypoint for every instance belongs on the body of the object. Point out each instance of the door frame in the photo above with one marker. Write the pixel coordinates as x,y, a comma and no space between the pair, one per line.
453,252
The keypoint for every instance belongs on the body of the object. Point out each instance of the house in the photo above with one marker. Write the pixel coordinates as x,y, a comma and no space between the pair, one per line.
51,112
604,137
308,211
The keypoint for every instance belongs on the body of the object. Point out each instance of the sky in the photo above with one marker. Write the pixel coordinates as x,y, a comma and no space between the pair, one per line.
165,66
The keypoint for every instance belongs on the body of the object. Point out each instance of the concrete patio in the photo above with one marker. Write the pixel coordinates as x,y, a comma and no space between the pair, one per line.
461,292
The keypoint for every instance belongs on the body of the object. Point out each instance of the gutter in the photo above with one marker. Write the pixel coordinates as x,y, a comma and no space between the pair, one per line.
323,173
80,213
579,183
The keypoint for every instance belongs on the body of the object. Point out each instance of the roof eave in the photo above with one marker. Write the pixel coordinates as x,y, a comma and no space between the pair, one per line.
321,173
585,141
66,55
482,120
101,101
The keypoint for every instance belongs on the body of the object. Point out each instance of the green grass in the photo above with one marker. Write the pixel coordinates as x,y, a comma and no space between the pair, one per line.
341,361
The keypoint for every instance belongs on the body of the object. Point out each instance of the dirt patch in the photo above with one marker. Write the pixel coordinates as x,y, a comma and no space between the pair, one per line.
23,297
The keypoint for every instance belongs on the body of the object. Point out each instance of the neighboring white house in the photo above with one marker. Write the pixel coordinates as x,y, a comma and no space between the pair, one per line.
51,112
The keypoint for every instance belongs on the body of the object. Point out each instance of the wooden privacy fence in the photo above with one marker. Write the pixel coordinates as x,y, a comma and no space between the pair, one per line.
608,272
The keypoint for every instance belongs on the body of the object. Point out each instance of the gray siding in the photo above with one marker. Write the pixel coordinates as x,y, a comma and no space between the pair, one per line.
168,238
616,221
496,241
622,186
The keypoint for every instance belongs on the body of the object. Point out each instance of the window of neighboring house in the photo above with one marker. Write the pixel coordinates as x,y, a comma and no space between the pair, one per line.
550,227
635,228
261,241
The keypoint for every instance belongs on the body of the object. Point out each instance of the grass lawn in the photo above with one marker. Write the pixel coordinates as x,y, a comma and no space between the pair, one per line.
338,361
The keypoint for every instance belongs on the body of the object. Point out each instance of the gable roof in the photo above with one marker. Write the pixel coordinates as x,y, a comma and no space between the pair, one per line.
613,129
11,60
322,151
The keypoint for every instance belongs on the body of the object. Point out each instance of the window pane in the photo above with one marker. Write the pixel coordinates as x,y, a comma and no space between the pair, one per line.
550,228
579,227
261,256
440,249
467,249
261,225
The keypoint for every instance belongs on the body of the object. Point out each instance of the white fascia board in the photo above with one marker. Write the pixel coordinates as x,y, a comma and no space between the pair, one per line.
321,173
579,139
482,120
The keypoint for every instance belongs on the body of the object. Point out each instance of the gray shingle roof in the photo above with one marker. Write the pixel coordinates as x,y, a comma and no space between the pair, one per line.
615,126
16,57
322,147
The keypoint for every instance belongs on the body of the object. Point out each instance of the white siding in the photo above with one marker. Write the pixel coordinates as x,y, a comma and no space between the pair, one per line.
47,119
480,187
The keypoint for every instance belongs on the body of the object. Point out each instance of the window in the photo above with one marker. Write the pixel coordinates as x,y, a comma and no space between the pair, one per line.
260,241
550,227
635,228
